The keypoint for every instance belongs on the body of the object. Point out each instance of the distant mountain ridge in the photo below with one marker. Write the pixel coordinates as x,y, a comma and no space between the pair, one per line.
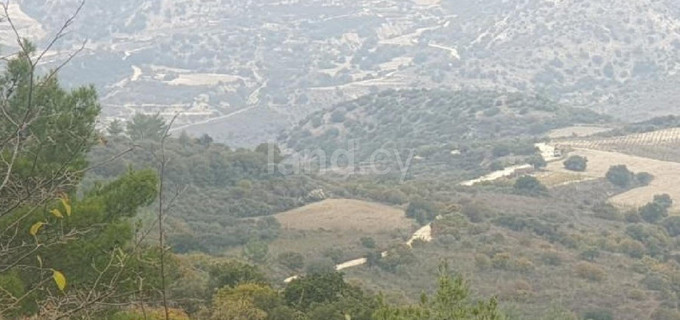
286,59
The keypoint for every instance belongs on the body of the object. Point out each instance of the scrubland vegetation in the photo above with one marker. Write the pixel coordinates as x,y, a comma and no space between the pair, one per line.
130,222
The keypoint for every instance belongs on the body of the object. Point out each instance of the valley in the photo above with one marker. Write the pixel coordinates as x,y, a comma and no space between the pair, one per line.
209,59
335,160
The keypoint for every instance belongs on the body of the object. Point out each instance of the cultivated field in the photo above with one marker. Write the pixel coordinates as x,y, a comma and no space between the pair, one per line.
654,138
667,174
345,214
337,225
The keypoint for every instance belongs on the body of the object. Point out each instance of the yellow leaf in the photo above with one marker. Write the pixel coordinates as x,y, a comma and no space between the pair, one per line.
40,263
57,213
36,227
67,204
59,279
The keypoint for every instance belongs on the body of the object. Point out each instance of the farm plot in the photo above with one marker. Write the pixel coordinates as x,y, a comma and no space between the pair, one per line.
345,214
667,175
654,138
338,225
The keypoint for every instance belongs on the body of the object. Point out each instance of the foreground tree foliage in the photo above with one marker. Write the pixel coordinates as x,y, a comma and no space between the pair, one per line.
451,301
63,253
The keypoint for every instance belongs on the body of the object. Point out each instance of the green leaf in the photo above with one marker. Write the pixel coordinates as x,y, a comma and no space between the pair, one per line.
40,262
59,279
57,213
36,227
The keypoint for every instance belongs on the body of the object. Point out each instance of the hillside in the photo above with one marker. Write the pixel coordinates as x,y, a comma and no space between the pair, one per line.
278,61
465,132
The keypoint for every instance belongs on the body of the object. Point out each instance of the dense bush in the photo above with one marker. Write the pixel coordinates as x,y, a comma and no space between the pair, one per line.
643,178
421,210
590,271
477,212
633,248
438,121
367,242
672,225
607,211
551,258
292,260
598,314
576,163
528,185
657,209
619,175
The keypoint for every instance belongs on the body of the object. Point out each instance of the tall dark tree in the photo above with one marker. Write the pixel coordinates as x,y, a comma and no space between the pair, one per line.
63,252
146,127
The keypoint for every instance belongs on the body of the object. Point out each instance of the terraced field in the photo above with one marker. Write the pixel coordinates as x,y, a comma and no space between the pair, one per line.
654,138
637,151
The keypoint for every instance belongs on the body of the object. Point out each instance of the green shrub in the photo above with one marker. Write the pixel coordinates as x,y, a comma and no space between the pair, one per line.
576,163
395,257
320,266
643,178
338,116
672,225
637,295
590,254
421,210
653,212
598,314
607,211
335,254
500,150
633,216
477,212
633,248
551,258
367,242
590,271
528,185
655,282
537,161
291,260
664,200
619,175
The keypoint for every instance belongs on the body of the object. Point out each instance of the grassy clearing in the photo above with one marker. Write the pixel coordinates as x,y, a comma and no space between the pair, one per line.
345,215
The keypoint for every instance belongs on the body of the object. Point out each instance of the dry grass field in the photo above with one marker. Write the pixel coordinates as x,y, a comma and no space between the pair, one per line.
643,152
338,225
345,215
667,174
